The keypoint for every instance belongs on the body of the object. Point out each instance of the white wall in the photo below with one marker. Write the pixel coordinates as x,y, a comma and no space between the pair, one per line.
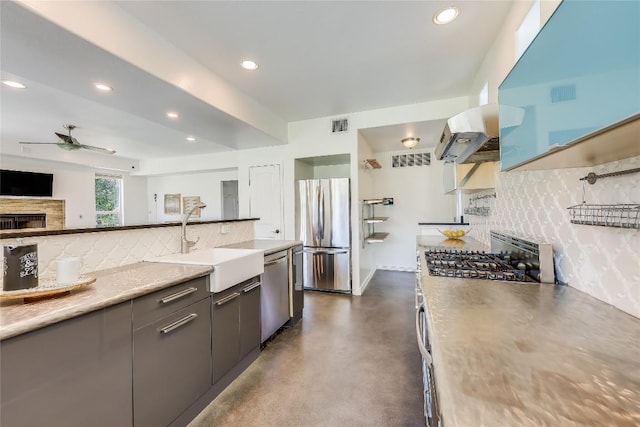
365,191
134,200
76,185
207,185
418,194
332,171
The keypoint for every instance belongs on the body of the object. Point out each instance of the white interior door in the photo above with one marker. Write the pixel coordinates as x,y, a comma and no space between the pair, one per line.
265,201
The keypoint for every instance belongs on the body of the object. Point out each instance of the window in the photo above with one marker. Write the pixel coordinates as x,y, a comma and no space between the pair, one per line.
108,200
528,29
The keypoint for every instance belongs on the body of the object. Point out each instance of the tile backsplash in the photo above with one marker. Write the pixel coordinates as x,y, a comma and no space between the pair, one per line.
107,249
601,261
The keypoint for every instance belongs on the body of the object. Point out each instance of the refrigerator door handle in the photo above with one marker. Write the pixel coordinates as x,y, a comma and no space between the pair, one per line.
320,213
323,251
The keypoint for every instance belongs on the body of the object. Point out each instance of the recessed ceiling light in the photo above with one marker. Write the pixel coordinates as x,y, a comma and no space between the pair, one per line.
190,138
446,15
172,115
103,87
248,64
13,84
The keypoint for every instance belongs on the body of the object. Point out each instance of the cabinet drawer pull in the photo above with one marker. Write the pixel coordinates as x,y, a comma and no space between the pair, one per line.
251,287
276,261
181,322
178,295
226,299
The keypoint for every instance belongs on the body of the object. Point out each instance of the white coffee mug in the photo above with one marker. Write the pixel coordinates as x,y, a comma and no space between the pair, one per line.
68,270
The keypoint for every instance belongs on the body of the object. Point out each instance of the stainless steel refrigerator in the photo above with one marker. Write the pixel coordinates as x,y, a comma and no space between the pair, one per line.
325,206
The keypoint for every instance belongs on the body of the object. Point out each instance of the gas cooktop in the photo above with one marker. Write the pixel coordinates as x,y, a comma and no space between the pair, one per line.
479,265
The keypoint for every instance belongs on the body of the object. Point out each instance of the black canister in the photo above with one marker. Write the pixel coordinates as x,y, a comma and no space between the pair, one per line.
20,266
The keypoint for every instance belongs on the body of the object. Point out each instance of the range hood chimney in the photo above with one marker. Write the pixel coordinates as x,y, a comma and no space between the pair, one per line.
473,135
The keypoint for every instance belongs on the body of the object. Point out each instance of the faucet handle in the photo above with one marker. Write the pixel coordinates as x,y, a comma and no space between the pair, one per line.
193,242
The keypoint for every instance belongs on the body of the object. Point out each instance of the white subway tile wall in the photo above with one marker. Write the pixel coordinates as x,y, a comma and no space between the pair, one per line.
601,261
107,249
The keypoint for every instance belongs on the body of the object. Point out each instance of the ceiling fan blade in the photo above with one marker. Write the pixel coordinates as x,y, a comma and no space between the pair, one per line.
66,138
98,149
38,143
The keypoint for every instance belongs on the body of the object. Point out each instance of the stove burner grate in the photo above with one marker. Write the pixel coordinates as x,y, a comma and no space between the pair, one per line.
473,265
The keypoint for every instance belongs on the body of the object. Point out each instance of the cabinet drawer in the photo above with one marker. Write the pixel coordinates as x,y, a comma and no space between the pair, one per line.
152,307
171,364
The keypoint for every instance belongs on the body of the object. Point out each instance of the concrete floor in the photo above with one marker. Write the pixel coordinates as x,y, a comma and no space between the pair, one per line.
351,361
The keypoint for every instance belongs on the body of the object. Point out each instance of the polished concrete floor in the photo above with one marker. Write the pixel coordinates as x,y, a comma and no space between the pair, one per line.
351,361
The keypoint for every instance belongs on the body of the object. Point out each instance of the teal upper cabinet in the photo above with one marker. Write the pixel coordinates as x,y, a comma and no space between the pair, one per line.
579,78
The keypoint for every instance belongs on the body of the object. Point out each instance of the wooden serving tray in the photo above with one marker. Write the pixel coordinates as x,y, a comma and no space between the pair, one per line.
48,288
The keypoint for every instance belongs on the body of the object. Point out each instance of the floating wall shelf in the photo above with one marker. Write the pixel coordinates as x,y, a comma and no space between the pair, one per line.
369,219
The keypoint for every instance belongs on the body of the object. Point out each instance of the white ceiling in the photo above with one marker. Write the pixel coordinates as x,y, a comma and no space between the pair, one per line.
317,59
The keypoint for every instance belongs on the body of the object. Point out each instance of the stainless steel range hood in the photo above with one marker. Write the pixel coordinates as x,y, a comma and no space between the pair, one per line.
472,136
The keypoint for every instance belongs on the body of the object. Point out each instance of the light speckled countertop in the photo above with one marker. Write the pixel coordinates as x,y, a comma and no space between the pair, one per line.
510,354
112,286
268,246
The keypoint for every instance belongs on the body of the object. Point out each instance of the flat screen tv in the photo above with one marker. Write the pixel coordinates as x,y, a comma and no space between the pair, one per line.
18,183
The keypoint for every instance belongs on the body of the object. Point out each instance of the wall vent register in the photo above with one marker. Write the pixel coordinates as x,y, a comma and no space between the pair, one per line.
413,159
340,125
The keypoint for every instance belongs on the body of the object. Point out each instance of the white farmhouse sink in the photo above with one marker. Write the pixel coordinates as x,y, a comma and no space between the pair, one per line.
230,266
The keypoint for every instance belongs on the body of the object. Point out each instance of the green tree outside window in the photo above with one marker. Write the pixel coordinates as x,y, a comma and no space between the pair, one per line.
108,197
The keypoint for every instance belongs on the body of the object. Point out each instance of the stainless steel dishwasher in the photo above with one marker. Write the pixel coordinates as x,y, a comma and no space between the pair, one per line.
274,293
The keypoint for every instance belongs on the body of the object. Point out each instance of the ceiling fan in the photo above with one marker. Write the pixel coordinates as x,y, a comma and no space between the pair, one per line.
69,143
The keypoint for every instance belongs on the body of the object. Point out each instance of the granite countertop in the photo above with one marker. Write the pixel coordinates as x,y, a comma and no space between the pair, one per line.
510,354
267,245
112,286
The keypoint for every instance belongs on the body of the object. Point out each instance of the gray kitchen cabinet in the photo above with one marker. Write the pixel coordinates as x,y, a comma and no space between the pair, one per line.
225,331
171,355
73,373
235,320
250,329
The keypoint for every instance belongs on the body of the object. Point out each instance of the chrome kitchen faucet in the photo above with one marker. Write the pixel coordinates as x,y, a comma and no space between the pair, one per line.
185,243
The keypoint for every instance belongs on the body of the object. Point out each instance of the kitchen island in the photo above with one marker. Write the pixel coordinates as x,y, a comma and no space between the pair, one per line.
522,354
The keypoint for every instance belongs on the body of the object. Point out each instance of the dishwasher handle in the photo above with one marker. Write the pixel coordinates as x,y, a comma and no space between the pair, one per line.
423,350
276,261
